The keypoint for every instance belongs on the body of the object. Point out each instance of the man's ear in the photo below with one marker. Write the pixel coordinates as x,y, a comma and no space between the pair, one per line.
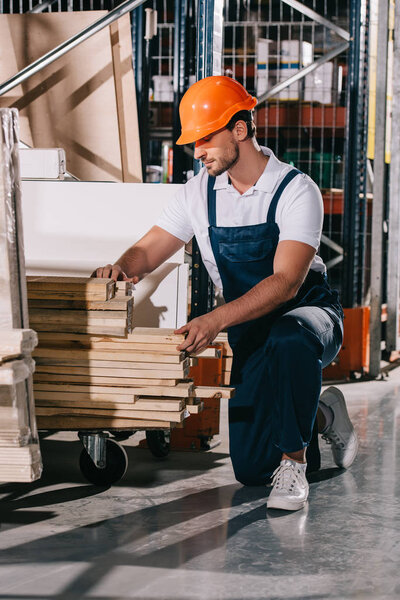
240,130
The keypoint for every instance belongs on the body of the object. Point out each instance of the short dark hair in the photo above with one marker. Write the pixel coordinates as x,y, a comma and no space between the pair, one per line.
247,117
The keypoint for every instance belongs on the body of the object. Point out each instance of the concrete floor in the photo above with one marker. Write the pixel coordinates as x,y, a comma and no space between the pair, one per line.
183,529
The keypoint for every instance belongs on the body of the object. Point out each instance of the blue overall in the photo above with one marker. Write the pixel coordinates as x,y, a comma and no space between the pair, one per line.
277,358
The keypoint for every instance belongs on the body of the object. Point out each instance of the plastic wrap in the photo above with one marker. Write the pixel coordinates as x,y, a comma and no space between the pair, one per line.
19,448
13,295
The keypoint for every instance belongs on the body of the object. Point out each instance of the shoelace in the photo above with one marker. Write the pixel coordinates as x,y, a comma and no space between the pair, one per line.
333,438
280,481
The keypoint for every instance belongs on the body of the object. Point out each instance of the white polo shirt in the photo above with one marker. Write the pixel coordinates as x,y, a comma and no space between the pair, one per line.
299,213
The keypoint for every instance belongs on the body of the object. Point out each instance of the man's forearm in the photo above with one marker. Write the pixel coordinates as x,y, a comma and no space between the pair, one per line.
263,298
135,262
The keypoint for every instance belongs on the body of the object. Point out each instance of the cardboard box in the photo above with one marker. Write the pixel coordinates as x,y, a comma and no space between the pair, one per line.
320,85
42,163
285,61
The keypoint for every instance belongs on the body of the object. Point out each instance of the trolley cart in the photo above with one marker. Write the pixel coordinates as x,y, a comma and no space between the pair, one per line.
103,460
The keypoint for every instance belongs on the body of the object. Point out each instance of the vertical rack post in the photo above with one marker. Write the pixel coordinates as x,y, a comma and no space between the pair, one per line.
356,160
182,25
393,286
379,192
209,58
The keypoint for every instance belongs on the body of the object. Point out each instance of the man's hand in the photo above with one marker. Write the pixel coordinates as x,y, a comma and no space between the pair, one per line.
201,332
113,272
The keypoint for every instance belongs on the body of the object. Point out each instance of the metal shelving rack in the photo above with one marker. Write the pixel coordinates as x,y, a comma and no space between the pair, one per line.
327,140
310,135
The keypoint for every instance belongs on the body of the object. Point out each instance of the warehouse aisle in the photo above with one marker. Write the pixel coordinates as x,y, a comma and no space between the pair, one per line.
184,529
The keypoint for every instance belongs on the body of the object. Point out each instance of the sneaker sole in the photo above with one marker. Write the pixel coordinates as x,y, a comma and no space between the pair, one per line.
282,504
345,464
338,395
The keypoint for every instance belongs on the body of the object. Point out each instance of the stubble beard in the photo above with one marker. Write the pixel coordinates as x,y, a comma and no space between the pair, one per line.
226,162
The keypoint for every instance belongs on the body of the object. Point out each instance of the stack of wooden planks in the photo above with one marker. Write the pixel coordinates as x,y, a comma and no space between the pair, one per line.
19,449
136,382
227,357
80,305
94,371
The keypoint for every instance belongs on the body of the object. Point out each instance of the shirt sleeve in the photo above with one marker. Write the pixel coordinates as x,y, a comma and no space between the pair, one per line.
175,217
302,213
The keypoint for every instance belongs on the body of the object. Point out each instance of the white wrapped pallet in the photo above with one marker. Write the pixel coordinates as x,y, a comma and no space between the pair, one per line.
13,295
20,456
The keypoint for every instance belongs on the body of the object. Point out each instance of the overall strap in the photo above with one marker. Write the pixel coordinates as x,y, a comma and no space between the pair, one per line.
211,202
275,199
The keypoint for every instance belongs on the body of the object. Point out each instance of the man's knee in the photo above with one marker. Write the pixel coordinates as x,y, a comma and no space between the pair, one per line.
289,336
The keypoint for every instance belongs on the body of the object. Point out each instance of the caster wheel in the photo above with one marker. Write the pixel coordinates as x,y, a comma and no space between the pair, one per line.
158,442
116,465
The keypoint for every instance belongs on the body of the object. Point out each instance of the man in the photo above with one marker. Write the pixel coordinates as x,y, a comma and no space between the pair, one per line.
258,224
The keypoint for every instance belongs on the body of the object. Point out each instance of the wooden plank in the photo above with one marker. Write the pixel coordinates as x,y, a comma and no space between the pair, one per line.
15,371
155,335
103,317
22,474
181,390
87,329
164,340
50,398
222,338
124,288
50,282
79,288
68,295
209,353
76,423
111,364
110,355
125,94
68,400
173,416
227,363
19,456
124,303
16,438
95,380
17,341
83,341
226,377
210,392
195,409
112,372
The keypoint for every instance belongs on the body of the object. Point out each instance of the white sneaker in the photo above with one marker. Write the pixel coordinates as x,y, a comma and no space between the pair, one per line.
340,434
290,486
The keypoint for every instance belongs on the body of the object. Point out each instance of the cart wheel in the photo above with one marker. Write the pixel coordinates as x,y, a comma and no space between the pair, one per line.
116,465
158,442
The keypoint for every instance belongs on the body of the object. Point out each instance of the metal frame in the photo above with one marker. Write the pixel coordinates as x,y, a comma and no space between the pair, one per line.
379,193
39,8
303,72
336,248
182,46
393,287
209,59
355,198
209,37
308,12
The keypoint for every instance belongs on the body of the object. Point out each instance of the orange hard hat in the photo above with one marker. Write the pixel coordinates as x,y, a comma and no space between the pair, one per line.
209,104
